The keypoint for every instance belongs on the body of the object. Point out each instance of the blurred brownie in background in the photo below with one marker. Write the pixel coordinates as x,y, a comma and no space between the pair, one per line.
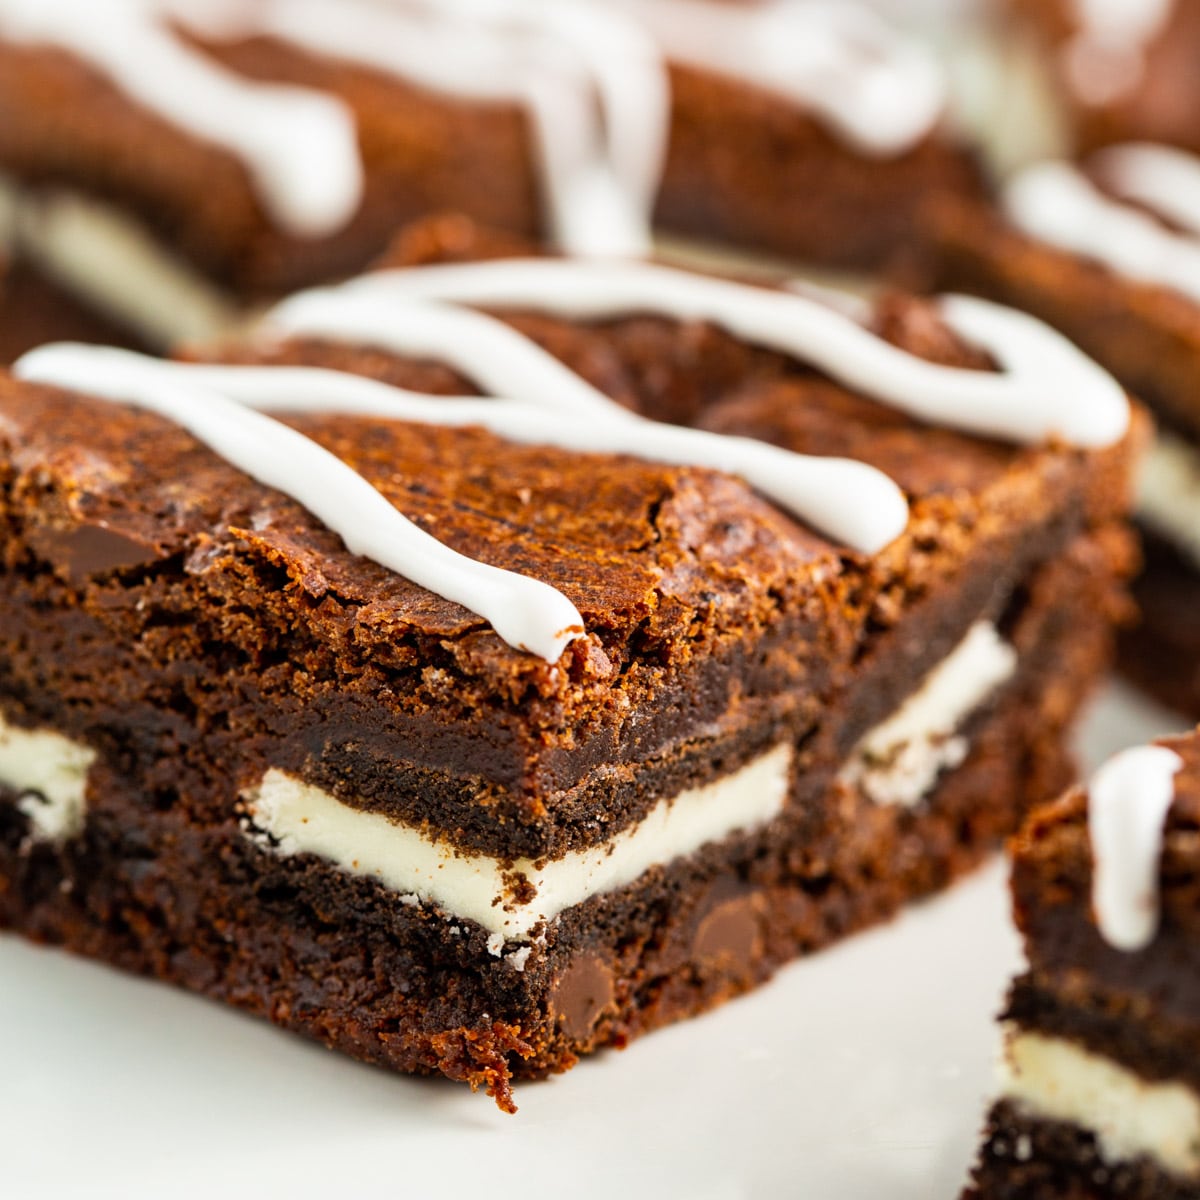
1108,251
193,158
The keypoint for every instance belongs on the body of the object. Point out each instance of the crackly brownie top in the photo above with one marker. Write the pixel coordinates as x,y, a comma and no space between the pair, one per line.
667,565
658,558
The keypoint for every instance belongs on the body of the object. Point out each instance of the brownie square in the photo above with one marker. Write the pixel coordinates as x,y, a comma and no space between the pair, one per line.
298,781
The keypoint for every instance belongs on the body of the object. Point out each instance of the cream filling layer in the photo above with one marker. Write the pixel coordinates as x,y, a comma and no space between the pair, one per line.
50,773
302,818
1056,1080
116,265
1168,498
899,760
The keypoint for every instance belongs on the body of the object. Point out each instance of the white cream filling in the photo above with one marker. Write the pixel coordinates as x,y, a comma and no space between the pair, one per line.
899,760
1168,499
305,819
1056,1080
50,771
115,264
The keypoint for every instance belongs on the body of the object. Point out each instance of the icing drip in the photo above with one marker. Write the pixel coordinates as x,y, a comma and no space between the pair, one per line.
1128,802
524,612
590,80
874,87
1056,203
1106,58
299,147
849,500
1046,387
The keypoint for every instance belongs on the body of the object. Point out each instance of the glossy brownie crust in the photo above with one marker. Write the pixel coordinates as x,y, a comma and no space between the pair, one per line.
1025,1158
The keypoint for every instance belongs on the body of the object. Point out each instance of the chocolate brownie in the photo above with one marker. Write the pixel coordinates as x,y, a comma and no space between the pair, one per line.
176,173
1109,253
1101,1093
1122,71
723,704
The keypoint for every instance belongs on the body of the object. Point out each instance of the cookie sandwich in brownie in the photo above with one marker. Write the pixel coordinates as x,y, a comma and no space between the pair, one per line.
407,678
189,158
1101,1094
1122,70
1109,253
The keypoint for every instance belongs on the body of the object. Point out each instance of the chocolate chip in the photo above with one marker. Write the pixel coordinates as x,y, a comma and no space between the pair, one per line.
90,549
730,932
583,991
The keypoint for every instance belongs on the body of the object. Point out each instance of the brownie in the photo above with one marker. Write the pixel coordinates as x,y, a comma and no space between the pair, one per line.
261,735
1103,1029
1106,252
1125,73
361,140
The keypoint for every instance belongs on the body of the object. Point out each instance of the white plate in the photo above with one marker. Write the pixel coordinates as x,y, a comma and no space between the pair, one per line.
862,1072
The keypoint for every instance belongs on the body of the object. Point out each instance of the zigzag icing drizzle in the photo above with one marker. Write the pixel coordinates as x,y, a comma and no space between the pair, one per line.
524,612
1046,388
217,406
1128,802
850,501
1057,203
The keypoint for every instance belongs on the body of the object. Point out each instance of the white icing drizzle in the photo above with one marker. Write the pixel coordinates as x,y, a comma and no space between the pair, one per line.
524,612
590,78
1128,802
848,500
600,162
299,147
1046,388
486,350
881,91
1106,57
1164,179
1057,204
1118,22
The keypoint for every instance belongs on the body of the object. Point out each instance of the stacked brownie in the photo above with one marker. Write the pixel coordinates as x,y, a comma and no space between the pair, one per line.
187,160
639,703
1108,252
1101,1095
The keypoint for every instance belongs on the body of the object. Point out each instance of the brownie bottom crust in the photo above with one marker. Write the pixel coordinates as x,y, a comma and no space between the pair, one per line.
1025,1157
340,958
1161,653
